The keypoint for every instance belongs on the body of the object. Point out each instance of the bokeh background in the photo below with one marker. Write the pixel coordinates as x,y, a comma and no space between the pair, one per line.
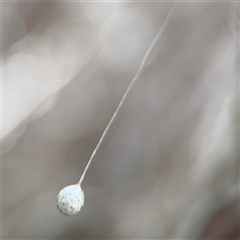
169,166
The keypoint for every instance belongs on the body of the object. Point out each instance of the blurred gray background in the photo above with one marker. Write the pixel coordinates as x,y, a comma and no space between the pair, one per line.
169,166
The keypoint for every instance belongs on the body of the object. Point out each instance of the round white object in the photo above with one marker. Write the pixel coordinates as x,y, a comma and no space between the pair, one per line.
70,199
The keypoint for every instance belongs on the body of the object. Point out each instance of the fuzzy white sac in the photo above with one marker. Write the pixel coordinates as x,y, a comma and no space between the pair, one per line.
70,199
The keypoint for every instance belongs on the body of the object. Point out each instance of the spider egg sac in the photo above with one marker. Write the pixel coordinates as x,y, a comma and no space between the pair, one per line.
70,199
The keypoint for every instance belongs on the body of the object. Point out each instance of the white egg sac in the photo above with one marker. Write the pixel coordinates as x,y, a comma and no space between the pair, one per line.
70,199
